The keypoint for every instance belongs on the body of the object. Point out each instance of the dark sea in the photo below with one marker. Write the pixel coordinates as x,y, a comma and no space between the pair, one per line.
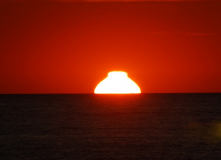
121,127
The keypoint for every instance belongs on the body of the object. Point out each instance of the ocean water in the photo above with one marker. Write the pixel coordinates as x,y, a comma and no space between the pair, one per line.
88,126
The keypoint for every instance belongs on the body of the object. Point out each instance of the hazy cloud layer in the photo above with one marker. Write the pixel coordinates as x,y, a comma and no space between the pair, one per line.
127,0
182,33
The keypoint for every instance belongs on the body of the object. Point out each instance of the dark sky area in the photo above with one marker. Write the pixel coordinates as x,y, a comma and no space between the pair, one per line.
70,46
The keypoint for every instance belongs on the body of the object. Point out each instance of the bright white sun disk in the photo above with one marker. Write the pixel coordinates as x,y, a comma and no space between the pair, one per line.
117,82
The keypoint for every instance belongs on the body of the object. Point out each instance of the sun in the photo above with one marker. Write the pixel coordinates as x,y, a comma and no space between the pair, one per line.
117,82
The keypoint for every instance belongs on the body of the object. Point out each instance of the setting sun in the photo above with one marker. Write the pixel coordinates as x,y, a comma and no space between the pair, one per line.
117,82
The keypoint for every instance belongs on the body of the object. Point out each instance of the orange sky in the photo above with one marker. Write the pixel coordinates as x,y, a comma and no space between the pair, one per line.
69,47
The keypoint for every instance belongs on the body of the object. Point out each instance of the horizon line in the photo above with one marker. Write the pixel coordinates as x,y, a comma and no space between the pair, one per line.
115,94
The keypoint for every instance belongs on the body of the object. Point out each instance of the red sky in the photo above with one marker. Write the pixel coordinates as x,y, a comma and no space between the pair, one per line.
69,47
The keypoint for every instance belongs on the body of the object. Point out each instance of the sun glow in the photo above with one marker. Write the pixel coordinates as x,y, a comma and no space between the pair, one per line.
117,82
